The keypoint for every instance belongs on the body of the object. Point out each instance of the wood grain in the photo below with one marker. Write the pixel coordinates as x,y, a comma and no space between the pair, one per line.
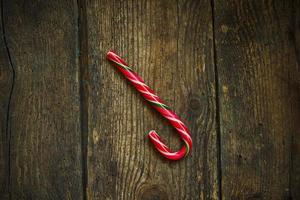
294,33
71,126
170,45
6,83
259,99
45,153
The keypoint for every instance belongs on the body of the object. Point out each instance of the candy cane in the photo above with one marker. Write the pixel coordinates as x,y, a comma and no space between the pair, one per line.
158,104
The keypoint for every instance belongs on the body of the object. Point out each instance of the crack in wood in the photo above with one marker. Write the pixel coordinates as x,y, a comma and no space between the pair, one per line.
8,131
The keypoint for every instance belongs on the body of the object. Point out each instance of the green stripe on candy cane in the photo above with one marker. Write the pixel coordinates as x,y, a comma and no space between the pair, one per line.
187,147
159,104
121,65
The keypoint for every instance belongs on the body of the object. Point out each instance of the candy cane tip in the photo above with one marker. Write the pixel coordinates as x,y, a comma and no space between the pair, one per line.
110,53
152,132
153,135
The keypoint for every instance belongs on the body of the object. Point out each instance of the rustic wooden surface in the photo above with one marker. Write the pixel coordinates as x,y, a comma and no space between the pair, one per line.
161,40
73,128
6,82
259,100
44,127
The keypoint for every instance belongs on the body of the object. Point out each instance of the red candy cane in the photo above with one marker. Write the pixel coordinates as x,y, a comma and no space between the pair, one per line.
158,104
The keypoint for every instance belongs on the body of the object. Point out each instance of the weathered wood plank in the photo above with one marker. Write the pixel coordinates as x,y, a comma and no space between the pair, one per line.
6,83
295,82
45,106
259,101
170,45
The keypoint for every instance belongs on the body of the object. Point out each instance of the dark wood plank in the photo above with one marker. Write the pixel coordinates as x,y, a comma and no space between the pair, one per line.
259,100
6,83
295,82
45,107
170,45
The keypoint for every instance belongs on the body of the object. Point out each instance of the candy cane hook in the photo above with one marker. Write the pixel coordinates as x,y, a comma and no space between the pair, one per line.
158,104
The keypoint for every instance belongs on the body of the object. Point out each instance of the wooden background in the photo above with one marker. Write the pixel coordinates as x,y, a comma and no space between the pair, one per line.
73,128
